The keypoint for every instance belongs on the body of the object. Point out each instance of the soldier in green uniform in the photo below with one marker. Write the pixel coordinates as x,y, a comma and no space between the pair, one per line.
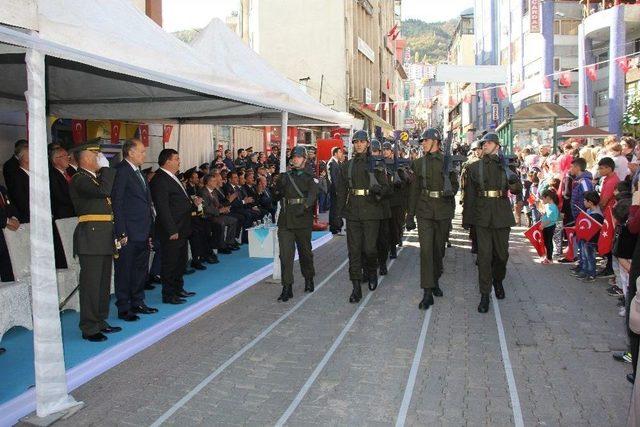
384,237
297,190
93,240
488,209
361,189
475,153
398,186
430,199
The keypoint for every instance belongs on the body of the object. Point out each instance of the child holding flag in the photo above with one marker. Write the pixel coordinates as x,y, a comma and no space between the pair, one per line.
587,233
549,219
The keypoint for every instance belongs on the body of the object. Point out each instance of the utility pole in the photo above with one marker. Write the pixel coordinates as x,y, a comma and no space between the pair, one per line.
321,84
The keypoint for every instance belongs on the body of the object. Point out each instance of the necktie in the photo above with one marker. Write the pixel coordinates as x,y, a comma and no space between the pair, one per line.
141,178
2,202
67,177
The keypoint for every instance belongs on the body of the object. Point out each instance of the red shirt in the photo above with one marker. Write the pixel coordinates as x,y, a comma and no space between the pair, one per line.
606,191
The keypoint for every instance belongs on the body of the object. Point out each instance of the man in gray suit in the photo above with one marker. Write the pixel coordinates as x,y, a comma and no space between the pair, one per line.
218,214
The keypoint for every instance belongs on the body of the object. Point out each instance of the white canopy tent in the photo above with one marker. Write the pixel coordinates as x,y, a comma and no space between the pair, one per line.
103,59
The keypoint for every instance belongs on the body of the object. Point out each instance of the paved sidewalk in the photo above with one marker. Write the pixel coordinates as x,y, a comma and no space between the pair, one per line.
559,333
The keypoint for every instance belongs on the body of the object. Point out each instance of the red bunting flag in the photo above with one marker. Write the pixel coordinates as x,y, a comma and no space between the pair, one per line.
144,134
115,132
502,92
546,82
605,241
586,226
587,116
569,254
166,133
486,94
467,98
534,234
565,79
79,131
592,72
624,64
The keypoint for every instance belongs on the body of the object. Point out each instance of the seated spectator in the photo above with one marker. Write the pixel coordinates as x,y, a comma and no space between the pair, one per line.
12,165
8,220
19,187
226,226
228,160
240,161
265,199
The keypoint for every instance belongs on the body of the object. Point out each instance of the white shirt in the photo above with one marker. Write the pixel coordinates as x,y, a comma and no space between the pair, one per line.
175,178
91,173
134,167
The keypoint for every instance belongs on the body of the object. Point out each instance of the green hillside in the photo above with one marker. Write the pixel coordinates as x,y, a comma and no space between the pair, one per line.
429,40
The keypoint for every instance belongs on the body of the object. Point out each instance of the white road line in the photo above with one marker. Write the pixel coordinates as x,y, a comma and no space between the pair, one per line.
179,404
316,372
511,381
411,382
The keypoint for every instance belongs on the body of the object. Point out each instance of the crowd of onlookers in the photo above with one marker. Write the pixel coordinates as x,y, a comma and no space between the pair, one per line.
586,185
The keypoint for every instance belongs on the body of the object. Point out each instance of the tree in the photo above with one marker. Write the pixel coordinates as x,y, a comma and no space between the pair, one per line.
631,118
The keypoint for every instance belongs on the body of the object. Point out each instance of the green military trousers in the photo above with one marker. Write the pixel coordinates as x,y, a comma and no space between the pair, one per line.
94,288
431,235
288,240
493,254
362,237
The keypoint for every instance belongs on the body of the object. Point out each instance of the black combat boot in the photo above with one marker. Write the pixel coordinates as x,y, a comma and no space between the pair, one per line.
393,254
483,307
308,285
356,295
498,288
287,293
383,269
427,300
437,291
373,280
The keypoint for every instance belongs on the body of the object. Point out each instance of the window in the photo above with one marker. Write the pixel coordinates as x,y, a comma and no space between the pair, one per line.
556,64
602,98
525,7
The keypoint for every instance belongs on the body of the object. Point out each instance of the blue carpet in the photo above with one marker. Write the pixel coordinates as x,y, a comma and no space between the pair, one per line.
16,365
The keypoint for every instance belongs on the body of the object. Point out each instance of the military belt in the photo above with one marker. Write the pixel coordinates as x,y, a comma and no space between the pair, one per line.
295,201
433,194
360,192
493,194
95,218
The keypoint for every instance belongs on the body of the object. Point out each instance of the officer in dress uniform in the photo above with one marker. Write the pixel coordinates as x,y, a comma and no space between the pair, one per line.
93,240
297,190
475,153
430,199
362,186
488,209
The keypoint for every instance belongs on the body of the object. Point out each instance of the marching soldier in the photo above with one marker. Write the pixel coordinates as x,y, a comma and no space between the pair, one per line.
297,190
399,185
93,240
384,237
430,199
488,210
475,153
362,186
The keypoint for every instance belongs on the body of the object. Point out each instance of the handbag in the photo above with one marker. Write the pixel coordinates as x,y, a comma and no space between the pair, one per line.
624,243
634,315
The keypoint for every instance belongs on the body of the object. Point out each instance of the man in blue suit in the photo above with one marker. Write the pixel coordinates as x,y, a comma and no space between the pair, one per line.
133,220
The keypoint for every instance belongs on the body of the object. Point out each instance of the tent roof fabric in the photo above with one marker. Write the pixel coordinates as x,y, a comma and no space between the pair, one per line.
540,115
586,132
120,64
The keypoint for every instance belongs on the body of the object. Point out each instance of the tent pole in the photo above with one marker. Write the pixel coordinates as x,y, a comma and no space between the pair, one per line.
555,135
283,169
350,143
51,383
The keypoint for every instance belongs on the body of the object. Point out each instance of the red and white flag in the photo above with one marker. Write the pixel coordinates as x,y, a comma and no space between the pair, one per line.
394,32
565,79
486,94
570,254
534,234
502,92
166,133
115,132
144,134
605,241
586,226
592,72
79,131
624,64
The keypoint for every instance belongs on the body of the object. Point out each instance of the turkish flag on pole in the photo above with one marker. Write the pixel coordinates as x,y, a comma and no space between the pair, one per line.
144,134
592,72
79,131
502,92
605,241
115,132
570,232
166,133
587,116
565,79
586,226
534,234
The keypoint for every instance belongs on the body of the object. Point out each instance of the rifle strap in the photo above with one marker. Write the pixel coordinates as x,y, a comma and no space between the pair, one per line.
295,186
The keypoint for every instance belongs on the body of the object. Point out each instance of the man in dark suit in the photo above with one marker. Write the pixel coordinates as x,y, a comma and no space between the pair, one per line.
173,225
61,205
225,226
19,185
93,241
9,220
133,226
201,249
228,160
264,197
333,169
11,166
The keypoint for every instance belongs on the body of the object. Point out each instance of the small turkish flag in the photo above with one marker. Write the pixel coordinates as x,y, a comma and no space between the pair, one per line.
467,98
144,134
587,116
115,132
534,234
502,92
605,241
546,82
79,131
592,72
565,79
586,226
624,65
570,232
166,133
486,94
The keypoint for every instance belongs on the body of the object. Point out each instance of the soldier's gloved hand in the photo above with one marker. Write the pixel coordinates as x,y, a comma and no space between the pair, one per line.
411,223
376,189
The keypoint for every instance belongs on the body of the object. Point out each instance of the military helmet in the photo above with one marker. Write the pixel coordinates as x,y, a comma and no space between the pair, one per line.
490,137
375,145
431,133
299,150
361,135
475,145
387,145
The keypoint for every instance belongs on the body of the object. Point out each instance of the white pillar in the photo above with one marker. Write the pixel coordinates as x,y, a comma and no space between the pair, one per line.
51,382
283,168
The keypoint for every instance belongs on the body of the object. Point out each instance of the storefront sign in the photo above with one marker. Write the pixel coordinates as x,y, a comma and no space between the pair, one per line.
534,16
495,112
364,48
367,95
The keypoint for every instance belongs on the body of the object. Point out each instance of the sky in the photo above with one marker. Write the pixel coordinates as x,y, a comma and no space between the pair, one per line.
186,14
